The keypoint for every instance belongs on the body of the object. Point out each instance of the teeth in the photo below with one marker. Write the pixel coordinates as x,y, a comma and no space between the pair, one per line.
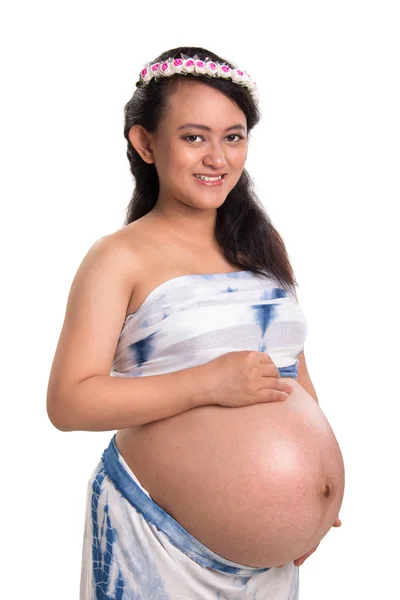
208,178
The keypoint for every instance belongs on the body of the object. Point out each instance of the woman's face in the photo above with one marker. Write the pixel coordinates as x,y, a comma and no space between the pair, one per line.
216,143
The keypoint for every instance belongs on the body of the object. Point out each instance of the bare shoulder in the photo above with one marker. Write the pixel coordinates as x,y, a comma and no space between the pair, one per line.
95,313
110,260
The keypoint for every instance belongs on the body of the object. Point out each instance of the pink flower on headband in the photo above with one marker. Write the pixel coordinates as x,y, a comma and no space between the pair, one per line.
146,75
238,76
177,65
189,65
166,68
211,68
224,71
199,67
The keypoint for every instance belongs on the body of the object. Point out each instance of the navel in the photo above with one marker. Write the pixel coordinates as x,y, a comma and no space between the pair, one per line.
327,491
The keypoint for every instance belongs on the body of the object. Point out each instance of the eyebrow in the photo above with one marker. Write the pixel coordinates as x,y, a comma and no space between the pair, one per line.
205,128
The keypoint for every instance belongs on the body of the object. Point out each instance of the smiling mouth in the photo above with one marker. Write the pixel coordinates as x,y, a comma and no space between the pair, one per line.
210,178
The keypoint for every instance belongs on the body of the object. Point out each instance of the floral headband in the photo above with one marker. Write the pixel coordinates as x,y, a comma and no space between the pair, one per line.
194,65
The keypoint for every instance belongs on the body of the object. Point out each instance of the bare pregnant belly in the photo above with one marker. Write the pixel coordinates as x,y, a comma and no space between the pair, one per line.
259,485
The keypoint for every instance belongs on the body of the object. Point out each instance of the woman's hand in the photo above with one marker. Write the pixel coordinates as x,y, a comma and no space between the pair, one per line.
243,377
299,561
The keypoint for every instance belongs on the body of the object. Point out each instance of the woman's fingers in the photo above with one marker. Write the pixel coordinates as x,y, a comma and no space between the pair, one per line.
299,561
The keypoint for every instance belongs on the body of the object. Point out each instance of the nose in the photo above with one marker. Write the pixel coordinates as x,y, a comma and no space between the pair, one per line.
215,156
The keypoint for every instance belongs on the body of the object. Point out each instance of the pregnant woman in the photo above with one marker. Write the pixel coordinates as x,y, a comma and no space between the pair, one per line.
184,334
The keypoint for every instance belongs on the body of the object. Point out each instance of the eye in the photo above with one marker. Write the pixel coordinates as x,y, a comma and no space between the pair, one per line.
237,135
191,136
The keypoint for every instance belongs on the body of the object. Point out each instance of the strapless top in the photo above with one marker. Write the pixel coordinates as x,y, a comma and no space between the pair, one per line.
191,319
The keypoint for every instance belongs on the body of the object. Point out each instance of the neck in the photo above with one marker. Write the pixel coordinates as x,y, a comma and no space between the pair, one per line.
193,226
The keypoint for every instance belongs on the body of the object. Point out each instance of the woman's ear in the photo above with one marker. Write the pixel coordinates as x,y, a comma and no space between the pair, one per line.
141,141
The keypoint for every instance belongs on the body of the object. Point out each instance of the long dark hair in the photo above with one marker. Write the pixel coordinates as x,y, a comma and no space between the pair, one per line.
243,229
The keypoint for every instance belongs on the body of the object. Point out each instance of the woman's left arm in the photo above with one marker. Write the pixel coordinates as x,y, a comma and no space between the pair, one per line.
304,378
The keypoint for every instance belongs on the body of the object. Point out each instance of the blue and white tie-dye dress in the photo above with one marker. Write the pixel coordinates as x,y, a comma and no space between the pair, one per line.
132,548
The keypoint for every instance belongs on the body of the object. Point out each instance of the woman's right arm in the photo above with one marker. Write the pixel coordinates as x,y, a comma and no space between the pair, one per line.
81,394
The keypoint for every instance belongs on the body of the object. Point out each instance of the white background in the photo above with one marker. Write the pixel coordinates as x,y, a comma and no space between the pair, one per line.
325,161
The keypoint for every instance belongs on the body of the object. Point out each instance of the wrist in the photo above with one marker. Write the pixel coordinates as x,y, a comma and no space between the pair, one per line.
200,386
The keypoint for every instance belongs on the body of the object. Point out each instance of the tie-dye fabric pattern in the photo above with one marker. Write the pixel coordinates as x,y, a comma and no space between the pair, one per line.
132,548
192,319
